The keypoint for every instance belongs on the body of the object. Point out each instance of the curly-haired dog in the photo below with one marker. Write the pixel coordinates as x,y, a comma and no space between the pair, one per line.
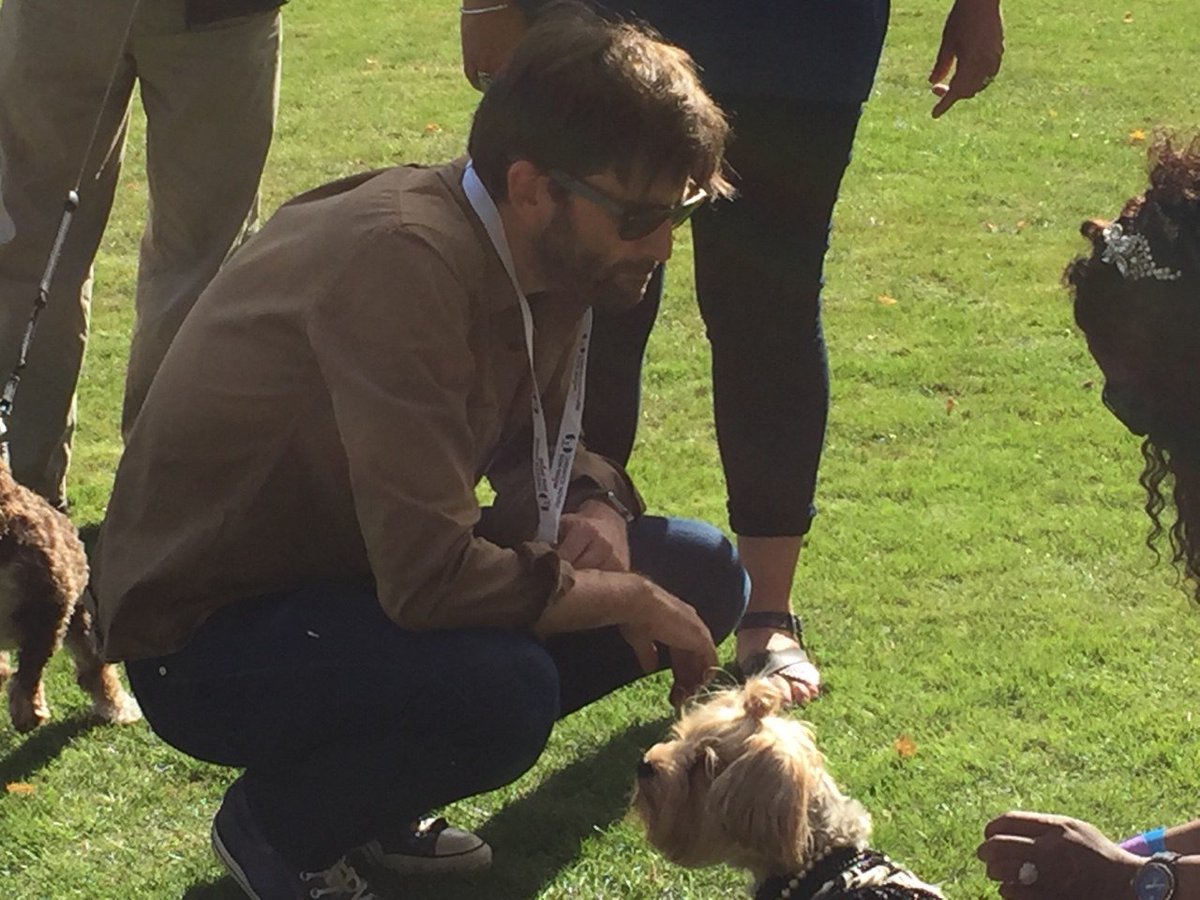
740,784
43,571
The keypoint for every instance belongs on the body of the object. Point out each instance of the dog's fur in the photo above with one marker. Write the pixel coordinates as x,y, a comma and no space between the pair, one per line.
43,573
739,783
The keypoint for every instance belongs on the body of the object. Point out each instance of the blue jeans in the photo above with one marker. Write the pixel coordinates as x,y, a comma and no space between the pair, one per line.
349,726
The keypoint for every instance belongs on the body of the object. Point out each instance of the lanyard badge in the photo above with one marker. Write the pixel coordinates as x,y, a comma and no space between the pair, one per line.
550,475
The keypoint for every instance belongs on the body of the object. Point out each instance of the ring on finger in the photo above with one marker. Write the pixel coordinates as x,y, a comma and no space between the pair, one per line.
1027,874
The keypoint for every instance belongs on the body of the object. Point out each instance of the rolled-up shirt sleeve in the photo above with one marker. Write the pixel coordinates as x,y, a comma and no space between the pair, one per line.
392,345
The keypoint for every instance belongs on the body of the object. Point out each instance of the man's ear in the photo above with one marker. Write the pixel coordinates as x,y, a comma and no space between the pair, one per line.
529,192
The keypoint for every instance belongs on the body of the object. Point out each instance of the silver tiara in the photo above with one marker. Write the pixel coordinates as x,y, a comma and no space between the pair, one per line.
1130,253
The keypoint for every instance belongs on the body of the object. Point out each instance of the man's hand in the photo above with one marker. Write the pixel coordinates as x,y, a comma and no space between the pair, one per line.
1035,855
595,537
648,617
972,47
488,39
668,621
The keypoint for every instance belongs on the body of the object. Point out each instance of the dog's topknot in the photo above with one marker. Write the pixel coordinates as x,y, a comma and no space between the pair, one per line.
761,698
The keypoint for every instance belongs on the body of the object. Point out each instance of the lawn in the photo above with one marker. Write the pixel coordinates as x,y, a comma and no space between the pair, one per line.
994,632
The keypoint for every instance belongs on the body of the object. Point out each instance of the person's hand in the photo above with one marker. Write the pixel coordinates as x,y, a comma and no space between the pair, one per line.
488,39
801,682
595,537
972,47
1037,856
665,620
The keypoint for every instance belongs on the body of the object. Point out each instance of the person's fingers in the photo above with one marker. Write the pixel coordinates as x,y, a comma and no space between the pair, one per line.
643,648
691,667
1006,847
1023,824
957,89
647,655
1011,890
1009,858
943,63
943,105
971,75
573,542
585,548
597,555
678,696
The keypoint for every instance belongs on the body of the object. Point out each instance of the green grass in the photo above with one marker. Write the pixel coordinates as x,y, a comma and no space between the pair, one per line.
976,580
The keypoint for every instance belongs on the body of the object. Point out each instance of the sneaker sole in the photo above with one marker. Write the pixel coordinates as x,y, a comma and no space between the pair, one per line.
226,859
468,861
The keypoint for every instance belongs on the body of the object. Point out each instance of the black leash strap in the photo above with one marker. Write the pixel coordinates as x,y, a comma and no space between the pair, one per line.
43,294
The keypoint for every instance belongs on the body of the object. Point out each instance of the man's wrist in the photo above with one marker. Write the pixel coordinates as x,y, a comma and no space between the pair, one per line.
612,501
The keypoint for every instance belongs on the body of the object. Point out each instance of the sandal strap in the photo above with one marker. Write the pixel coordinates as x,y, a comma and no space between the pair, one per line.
766,663
772,619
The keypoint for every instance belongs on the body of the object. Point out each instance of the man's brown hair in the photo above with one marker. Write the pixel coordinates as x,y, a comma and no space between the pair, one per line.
582,94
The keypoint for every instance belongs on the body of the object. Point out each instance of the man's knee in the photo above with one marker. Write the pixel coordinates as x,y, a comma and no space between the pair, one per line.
698,563
522,706
725,590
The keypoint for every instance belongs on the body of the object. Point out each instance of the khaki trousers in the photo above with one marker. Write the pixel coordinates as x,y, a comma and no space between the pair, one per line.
210,97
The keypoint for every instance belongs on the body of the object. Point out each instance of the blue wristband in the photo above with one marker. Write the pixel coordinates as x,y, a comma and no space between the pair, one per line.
1156,839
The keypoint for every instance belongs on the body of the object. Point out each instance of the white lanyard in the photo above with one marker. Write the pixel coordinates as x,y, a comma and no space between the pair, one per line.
550,480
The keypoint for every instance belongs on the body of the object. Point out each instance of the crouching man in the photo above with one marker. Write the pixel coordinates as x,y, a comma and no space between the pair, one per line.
294,563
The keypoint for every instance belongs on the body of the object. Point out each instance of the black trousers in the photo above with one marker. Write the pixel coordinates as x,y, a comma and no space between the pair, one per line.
759,272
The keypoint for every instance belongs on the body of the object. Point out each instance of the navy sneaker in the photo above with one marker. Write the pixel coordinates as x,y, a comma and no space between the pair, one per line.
262,872
429,847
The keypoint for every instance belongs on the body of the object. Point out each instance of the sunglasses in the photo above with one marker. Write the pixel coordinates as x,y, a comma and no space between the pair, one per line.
634,220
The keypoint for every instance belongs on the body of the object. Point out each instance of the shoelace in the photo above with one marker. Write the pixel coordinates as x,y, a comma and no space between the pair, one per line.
340,880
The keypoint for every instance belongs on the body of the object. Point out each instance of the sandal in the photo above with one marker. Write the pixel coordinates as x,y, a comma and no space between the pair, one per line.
767,663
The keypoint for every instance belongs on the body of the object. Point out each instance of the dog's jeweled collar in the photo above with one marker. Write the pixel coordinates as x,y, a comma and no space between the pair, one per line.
793,887
840,866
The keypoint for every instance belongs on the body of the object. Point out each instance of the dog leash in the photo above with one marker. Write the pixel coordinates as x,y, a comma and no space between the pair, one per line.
70,206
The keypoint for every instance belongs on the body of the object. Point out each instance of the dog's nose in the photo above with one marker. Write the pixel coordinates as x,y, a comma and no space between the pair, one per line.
645,769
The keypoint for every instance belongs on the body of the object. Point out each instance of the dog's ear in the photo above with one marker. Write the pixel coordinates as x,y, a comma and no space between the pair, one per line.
761,800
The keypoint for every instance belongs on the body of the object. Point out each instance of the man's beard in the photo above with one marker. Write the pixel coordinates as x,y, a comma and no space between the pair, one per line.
570,268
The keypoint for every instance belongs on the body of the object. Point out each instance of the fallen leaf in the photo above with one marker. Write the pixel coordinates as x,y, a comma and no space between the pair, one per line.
950,404
371,63
20,787
1021,225
886,300
1127,18
906,746
1137,136
432,128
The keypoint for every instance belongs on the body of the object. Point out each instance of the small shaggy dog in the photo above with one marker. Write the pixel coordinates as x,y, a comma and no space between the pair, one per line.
43,571
740,784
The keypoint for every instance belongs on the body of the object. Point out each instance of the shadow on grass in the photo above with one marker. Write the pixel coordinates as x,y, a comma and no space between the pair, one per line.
540,834
533,838
42,746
